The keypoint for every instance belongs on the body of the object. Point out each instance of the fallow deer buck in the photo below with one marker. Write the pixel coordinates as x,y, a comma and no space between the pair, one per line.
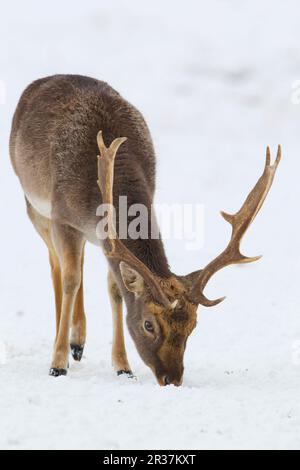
53,149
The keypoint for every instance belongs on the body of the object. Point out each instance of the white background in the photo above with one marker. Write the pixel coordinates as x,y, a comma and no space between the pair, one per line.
214,81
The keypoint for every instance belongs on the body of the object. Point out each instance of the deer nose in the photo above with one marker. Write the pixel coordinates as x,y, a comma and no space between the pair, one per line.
168,381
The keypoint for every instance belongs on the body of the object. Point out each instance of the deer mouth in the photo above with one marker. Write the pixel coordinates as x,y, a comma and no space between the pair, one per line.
165,380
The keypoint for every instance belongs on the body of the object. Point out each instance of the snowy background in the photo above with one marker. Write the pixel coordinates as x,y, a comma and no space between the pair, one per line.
214,81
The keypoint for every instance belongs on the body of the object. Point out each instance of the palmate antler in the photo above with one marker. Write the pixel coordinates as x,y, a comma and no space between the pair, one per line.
113,246
240,223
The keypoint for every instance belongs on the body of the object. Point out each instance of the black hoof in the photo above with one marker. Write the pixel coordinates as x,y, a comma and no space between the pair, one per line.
126,372
77,352
57,372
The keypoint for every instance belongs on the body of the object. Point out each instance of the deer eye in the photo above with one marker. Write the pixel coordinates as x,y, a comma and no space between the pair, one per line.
148,326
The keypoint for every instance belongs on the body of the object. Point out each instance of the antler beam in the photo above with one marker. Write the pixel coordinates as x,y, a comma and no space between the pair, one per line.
114,247
240,223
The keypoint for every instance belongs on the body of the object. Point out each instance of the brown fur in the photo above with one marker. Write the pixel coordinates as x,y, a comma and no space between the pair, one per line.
54,138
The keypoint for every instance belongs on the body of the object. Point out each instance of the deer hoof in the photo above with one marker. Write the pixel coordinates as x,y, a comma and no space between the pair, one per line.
77,352
126,372
57,372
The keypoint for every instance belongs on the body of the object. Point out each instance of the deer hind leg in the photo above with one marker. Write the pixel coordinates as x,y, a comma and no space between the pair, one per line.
78,333
69,245
43,227
119,355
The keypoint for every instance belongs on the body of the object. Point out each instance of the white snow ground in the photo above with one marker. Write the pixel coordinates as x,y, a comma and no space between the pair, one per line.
214,80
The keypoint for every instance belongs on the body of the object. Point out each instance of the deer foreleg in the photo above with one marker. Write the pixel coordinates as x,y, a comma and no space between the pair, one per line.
78,333
119,355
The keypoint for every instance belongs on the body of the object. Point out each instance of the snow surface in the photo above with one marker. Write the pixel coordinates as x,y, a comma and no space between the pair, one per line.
214,81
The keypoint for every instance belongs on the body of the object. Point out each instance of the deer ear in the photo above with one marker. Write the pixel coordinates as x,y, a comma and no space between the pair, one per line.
133,281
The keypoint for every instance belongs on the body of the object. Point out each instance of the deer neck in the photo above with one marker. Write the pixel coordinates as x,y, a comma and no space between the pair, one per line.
152,253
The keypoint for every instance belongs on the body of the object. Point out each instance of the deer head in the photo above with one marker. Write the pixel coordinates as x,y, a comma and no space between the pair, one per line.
162,313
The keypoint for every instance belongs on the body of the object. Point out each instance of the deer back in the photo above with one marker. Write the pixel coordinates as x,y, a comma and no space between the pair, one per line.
53,147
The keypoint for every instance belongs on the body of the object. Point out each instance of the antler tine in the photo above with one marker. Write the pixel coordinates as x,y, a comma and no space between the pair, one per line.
106,178
278,157
101,144
114,247
239,223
